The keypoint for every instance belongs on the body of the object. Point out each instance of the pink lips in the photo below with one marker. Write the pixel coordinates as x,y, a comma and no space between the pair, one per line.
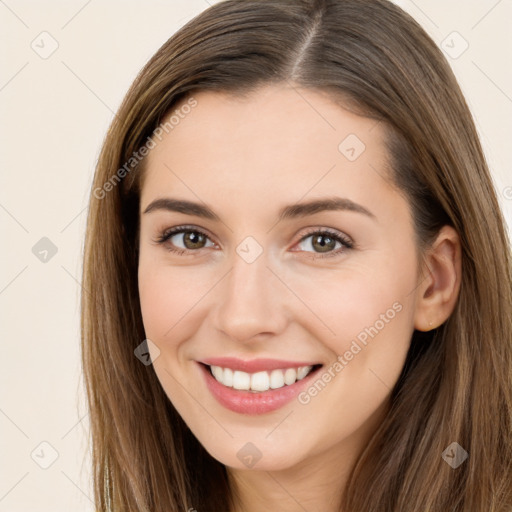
247,402
254,365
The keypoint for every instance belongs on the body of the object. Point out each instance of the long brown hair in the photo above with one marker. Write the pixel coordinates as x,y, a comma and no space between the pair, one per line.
456,385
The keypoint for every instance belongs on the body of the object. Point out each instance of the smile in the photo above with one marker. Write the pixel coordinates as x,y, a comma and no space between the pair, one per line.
258,386
260,381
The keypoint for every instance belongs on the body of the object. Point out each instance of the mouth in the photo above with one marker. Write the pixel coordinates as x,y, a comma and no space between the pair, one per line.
256,392
261,381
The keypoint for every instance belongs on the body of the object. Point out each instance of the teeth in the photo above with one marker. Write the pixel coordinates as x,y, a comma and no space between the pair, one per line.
227,376
241,380
276,379
302,372
217,372
290,376
260,381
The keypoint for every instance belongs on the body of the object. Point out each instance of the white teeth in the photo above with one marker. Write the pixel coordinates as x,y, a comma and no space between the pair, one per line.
217,372
276,379
302,372
260,381
227,377
241,380
290,376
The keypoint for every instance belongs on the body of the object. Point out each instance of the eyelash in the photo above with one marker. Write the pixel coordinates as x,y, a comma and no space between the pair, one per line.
337,237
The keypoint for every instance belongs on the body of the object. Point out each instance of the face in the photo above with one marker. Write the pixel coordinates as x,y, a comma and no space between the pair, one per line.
275,254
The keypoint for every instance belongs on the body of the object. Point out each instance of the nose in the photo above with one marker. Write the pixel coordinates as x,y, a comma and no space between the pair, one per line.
251,302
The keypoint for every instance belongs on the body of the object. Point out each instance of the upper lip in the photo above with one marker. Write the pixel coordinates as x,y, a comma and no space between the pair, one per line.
254,365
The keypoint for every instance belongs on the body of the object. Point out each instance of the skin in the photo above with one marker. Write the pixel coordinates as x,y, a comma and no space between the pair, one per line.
246,159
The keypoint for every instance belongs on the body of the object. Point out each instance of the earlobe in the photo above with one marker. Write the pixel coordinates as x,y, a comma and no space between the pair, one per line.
440,280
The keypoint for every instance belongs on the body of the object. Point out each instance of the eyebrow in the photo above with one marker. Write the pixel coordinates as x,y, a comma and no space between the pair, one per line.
288,212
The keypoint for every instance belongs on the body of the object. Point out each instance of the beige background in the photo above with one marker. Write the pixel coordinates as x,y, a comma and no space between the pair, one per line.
55,112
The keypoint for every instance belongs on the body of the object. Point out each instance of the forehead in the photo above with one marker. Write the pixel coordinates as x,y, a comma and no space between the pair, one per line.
279,140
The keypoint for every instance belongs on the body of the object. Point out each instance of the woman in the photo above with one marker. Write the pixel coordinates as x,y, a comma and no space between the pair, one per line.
293,220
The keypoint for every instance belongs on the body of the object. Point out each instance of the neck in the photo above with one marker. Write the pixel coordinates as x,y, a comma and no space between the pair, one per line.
315,484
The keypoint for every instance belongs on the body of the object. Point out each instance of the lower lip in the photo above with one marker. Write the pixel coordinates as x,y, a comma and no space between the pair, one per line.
245,402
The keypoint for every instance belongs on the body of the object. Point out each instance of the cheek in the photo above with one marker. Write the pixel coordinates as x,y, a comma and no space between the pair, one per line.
171,298
371,314
157,304
360,304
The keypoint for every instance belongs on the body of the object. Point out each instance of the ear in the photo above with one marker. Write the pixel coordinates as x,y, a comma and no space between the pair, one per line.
440,279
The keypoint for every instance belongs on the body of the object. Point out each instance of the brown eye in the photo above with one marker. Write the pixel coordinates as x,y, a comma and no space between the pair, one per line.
323,243
181,240
193,240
